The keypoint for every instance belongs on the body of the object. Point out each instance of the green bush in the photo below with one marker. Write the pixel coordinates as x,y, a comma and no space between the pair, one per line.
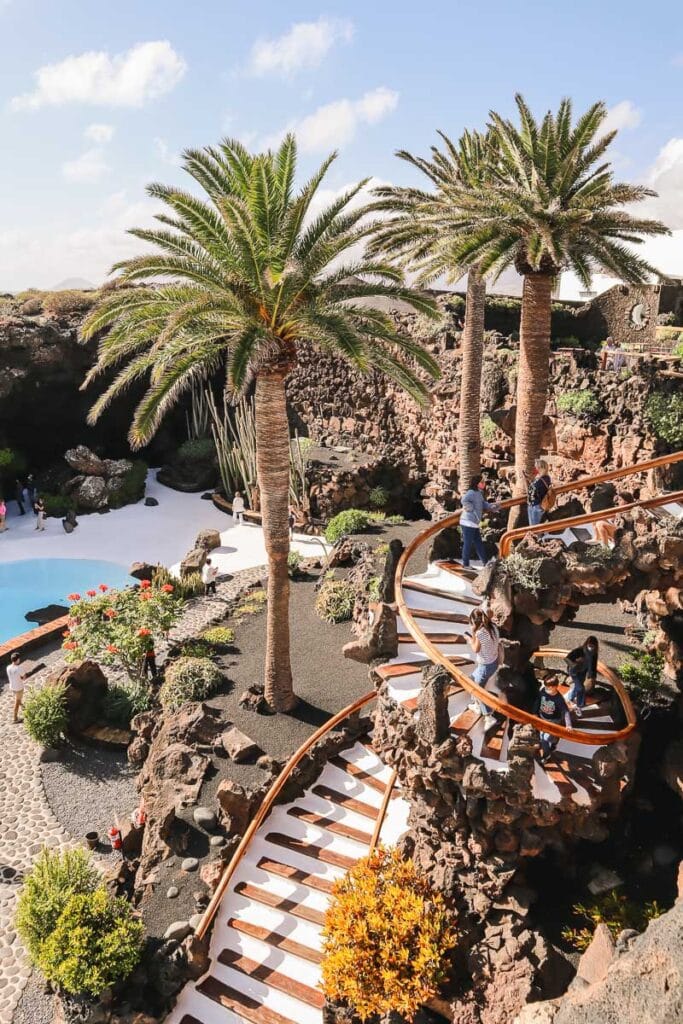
335,601
616,911
644,678
352,520
219,636
188,679
664,413
45,715
522,572
378,497
198,449
294,563
54,878
96,942
488,429
11,462
58,505
678,351
669,334
122,703
569,342
69,301
579,403
131,487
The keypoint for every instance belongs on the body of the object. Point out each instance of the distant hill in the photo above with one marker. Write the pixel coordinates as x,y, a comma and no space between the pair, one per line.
73,283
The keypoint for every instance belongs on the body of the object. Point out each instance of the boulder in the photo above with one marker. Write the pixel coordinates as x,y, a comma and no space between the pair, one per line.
82,460
142,570
235,805
211,874
193,561
85,688
207,540
595,961
238,746
151,502
91,493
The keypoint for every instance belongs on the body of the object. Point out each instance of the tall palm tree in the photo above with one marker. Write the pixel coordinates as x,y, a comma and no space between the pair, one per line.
550,204
245,274
423,234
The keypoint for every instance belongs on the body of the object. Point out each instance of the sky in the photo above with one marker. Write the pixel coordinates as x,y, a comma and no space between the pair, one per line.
98,100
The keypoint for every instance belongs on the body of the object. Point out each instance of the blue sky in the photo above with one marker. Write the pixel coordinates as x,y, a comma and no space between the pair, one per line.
96,100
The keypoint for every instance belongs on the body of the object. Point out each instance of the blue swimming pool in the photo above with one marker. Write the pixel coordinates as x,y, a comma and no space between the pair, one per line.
37,582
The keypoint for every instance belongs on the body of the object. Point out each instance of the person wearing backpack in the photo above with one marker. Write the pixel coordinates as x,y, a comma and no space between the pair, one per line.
541,495
582,666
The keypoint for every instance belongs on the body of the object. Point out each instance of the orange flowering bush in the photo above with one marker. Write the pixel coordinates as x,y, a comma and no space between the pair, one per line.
386,937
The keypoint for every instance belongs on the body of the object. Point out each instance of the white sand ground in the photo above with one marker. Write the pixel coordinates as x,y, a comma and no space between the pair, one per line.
161,533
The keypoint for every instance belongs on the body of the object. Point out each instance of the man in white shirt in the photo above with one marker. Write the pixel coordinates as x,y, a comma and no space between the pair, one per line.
16,678
209,574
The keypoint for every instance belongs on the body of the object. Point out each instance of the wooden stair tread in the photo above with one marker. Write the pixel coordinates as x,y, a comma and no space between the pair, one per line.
464,722
337,827
276,867
256,931
240,1003
439,616
321,853
405,668
492,746
358,773
423,588
559,777
589,725
458,569
269,976
367,810
436,638
277,902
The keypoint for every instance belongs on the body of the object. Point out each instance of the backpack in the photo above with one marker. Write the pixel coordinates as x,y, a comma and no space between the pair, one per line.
550,500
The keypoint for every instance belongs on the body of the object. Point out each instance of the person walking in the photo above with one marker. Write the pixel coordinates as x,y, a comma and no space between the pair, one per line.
149,664
16,677
291,521
582,665
538,490
551,707
32,492
19,496
3,515
238,508
40,512
473,505
209,574
485,642
607,349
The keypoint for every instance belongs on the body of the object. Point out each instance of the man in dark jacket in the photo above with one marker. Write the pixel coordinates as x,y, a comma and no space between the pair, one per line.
551,706
582,665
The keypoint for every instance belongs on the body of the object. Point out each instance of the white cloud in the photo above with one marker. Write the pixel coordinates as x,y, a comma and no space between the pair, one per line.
145,72
335,124
665,176
87,168
99,133
165,153
303,47
621,116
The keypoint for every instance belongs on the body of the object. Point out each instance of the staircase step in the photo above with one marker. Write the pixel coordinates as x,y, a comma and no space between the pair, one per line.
261,972
439,616
492,746
458,569
405,668
338,827
314,956
423,588
240,1003
436,638
339,860
277,902
276,867
358,773
578,768
559,777
367,810
464,722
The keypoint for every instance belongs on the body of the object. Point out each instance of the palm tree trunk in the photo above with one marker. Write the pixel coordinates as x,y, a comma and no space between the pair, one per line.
469,426
272,464
532,380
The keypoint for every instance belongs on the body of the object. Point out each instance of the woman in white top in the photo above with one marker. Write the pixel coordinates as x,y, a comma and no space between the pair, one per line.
238,507
485,642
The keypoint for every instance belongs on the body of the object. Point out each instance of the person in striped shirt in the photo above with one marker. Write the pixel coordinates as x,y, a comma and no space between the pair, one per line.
485,642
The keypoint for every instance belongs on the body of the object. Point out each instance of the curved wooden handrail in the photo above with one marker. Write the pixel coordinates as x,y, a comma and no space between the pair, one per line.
268,801
464,681
508,539
374,842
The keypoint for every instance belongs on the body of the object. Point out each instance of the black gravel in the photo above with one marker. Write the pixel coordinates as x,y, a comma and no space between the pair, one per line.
87,788
35,1005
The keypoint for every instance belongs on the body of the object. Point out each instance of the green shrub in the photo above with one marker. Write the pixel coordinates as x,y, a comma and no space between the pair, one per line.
644,678
394,520
188,679
352,520
198,449
488,429
372,588
377,517
669,333
294,563
378,497
45,715
123,702
132,486
53,879
11,462
69,301
664,413
616,911
219,636
58,505
579,403
569,342
189,586
96,942
522,572
335,601
678,351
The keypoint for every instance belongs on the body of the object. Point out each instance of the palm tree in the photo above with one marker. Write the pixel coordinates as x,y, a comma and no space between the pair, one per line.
422,235
549,204
244,275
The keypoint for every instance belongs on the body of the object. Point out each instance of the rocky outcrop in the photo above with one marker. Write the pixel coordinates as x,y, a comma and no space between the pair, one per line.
102,483
85,688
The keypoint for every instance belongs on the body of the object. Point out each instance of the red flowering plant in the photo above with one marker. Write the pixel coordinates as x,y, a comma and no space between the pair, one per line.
118,627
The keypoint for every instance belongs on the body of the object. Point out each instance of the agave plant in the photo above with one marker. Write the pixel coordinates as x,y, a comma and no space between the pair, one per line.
246,274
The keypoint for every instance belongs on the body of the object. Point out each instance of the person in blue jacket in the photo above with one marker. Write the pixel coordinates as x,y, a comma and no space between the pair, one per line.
474,504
